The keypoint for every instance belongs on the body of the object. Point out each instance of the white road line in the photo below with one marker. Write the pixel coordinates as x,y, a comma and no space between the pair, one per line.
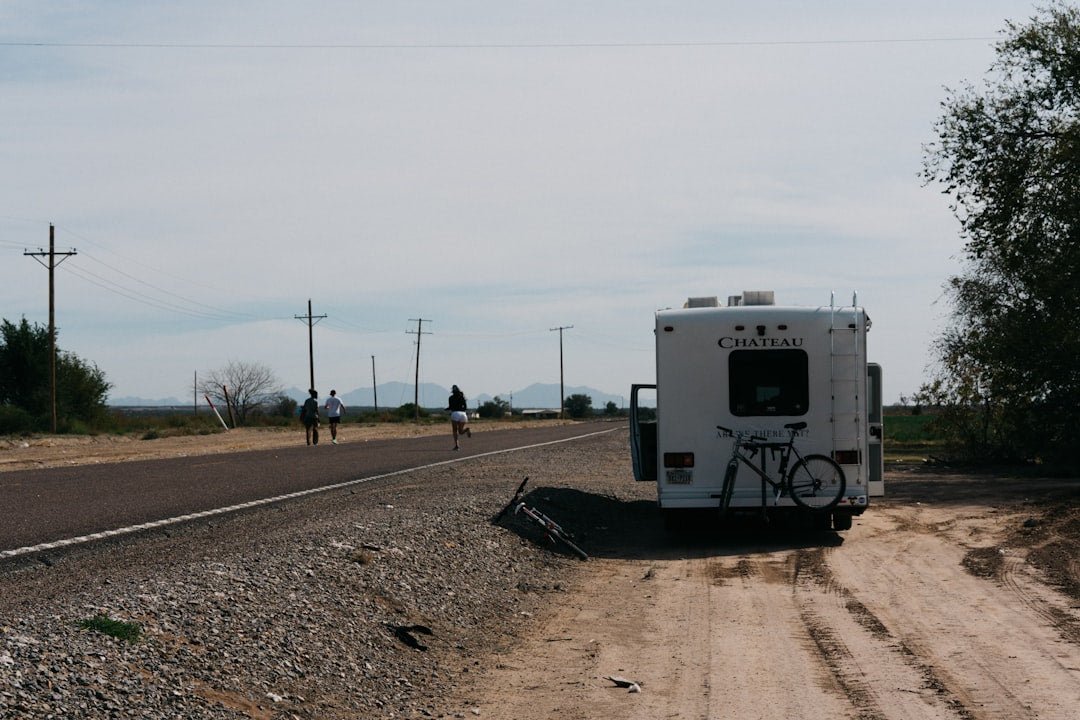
265,501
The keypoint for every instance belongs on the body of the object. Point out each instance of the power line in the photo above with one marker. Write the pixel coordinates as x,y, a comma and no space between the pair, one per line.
216,310
492,45
137,262
117,289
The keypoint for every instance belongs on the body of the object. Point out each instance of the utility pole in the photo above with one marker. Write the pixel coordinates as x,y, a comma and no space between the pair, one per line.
374,386
562,392
53,262
416,387
310,347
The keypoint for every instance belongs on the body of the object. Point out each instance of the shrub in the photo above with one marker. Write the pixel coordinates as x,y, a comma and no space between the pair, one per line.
105,625
15,420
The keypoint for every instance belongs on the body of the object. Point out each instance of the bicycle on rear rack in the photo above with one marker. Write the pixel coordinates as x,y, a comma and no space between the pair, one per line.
551,528
815,482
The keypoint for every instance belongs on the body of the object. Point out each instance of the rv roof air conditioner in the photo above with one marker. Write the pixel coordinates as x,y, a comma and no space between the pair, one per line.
752,297
701,302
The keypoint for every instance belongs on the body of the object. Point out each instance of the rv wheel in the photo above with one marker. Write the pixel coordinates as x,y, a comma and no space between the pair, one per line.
841,521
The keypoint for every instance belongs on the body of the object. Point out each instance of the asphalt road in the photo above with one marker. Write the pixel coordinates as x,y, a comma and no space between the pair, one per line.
58,504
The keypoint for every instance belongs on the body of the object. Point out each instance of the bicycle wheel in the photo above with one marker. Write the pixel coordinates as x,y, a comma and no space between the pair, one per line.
728,488
816,482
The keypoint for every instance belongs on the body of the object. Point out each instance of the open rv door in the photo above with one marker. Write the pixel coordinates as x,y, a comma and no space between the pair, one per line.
643,431
874,440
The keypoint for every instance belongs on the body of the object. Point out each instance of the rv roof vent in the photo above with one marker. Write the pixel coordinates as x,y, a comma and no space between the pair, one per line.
734,300
758,297
699,302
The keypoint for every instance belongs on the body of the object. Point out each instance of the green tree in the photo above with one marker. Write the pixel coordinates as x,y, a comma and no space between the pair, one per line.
494,408
579,406
611,409
25,384
1008,154
282,406
408,411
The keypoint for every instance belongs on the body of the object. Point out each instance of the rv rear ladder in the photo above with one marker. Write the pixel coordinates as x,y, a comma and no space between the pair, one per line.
846,411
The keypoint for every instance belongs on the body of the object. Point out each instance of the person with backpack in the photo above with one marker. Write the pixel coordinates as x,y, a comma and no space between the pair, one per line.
309,416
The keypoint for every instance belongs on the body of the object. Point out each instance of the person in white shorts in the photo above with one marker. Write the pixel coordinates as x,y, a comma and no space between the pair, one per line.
459,418
334,410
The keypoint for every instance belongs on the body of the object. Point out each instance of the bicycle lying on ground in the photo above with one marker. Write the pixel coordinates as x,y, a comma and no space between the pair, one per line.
814,482
553,530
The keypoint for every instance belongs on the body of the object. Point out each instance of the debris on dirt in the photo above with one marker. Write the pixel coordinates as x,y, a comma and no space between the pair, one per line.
623,682
984,562
404,633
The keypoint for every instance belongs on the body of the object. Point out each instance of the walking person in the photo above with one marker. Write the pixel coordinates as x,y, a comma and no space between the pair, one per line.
334,410
459,418
309,415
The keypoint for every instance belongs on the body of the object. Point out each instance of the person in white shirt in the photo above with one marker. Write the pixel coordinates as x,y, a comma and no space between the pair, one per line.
334,410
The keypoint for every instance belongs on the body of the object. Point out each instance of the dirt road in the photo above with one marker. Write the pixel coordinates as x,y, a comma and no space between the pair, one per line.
923,610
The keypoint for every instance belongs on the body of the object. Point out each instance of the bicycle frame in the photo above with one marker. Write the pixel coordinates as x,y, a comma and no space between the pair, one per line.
777,485
552,529
813,482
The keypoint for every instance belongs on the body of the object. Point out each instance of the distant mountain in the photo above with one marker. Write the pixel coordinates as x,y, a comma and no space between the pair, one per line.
540,395
390,395
396,394
131,401
537,395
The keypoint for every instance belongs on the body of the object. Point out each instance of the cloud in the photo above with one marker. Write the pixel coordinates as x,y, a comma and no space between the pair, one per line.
501,169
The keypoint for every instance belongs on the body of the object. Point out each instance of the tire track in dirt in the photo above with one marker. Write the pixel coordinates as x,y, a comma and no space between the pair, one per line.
1012,573
811,569
985,651
808,567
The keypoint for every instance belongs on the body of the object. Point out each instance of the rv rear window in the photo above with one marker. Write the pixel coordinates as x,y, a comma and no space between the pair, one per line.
768,382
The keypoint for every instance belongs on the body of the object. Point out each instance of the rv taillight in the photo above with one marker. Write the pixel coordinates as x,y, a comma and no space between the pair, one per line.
846,457
679,460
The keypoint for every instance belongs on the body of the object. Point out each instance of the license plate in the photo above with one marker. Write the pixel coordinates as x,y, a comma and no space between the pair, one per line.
680,477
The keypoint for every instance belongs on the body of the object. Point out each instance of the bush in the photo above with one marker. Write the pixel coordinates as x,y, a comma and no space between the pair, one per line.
495,408
15,420
408,412
282,406
579,406
101,623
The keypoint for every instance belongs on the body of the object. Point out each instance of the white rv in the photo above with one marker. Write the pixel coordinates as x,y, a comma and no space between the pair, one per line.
757,366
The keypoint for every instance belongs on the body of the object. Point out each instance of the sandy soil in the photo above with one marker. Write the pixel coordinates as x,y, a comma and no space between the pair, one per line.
939,603
43,451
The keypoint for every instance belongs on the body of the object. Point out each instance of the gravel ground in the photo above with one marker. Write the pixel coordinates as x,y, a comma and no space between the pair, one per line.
369,603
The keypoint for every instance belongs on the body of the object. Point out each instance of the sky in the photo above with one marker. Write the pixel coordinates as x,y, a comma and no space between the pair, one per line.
496,169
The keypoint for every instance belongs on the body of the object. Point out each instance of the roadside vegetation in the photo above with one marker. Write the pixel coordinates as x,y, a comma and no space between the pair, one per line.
911,438
26,384
1006,388
119,629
